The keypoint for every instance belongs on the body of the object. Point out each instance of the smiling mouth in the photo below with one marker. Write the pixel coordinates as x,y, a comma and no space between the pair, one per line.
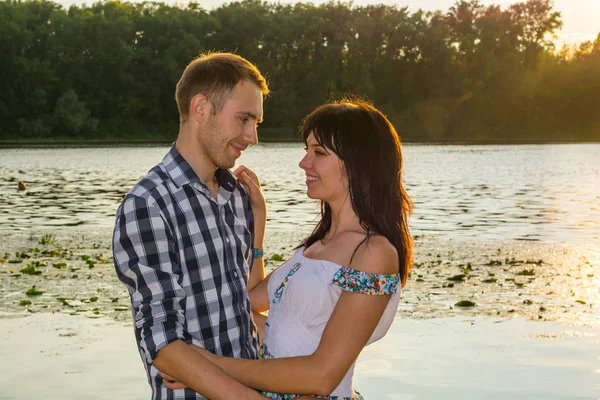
238,149
311,179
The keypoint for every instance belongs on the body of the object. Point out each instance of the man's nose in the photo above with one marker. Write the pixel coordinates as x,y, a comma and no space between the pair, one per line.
251,135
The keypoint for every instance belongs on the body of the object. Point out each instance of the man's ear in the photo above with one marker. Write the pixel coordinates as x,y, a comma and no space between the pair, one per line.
200,107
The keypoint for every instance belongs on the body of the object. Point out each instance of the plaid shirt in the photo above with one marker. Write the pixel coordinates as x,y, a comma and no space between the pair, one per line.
185,257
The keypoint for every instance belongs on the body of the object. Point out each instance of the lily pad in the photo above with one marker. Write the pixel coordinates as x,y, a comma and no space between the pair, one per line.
526,272
457,278
34,292
465,303
30,270
490,280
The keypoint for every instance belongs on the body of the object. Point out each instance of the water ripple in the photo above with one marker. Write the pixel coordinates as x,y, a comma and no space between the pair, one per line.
541,193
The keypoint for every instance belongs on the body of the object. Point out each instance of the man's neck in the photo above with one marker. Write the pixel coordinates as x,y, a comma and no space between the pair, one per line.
189,149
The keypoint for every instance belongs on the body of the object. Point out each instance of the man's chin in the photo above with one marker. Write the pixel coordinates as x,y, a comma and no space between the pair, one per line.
227,164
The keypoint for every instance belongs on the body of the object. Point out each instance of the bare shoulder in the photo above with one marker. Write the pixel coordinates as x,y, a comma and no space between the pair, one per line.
377,256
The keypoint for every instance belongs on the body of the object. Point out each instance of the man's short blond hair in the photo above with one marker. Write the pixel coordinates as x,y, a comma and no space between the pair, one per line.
215,75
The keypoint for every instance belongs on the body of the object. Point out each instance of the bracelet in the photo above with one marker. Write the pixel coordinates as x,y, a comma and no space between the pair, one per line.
259,253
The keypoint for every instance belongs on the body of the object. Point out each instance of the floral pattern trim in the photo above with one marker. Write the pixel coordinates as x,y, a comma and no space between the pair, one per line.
356,281
279,290
284,396
264,354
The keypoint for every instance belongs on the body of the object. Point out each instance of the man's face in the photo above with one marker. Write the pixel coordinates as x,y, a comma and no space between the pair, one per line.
233,129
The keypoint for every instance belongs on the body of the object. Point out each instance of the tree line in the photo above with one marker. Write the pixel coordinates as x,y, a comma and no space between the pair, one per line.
471,73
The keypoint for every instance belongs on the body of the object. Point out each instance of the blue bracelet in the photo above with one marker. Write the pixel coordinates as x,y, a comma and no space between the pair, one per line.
259,253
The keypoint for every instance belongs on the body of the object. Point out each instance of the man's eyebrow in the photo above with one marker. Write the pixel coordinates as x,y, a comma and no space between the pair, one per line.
252,116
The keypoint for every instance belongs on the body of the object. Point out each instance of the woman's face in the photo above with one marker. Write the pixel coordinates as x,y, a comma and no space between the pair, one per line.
325,176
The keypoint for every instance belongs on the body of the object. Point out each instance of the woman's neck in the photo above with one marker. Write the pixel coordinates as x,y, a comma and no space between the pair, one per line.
343,218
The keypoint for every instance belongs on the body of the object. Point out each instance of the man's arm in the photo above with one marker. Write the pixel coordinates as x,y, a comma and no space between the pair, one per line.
181,362
146,262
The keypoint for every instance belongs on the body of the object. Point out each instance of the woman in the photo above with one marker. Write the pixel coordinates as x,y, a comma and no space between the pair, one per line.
341,288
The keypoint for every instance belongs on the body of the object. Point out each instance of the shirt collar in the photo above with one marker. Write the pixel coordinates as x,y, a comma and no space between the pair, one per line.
182,173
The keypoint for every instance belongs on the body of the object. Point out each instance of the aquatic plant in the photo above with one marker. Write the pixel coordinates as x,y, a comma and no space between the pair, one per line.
34,292
457,278
64,301
465,303
47,238
526,272
30,270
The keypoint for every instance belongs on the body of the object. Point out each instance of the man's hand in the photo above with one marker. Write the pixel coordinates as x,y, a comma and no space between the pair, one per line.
172,384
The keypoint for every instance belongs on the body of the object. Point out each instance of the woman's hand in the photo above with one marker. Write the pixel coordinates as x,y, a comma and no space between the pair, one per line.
174,384
252,184
170,382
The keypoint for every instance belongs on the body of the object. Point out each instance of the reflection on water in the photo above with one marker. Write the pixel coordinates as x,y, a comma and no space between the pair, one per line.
536,192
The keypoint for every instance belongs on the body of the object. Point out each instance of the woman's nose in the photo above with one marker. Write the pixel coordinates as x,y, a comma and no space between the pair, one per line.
304,162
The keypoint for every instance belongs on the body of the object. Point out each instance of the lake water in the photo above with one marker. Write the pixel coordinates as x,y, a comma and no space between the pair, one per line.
547,193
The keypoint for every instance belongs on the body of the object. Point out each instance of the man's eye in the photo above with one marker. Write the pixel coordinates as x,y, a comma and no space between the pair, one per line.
244,120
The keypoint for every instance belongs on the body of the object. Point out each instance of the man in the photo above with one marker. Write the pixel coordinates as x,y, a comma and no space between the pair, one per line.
184,235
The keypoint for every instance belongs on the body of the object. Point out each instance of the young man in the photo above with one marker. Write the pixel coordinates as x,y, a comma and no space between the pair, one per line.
184,235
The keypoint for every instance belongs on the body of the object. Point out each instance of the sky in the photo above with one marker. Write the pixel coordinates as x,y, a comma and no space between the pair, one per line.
581,18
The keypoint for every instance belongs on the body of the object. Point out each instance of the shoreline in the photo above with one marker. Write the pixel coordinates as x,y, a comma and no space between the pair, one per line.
35,144
527,337
453,358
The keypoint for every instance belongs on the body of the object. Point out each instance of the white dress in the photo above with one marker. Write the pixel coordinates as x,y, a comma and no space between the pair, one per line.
302,295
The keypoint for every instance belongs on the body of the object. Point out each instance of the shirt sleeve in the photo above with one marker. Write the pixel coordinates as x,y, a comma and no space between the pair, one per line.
250,220
352,280
146,262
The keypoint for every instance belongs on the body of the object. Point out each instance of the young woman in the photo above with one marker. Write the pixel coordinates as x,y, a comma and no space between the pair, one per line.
340,290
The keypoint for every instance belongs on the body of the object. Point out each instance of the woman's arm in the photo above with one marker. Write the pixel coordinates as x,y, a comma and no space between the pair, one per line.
259,211
178,359
350,326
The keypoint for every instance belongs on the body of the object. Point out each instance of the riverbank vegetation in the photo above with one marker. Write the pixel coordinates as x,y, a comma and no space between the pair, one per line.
473,73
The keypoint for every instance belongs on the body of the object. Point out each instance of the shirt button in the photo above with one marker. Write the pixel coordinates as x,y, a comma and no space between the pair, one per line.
227,240
235,274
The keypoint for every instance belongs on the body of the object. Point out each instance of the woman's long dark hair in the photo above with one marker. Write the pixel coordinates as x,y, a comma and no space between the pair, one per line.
369,146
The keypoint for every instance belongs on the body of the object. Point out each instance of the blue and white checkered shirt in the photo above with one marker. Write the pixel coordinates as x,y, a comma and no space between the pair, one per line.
185,259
